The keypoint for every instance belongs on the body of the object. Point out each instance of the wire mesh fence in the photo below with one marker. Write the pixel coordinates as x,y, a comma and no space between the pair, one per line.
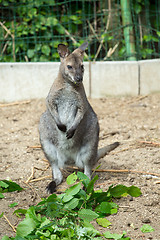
30,30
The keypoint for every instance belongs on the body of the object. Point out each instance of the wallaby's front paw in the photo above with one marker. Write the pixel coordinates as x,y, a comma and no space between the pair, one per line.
70,133
51,188
62,127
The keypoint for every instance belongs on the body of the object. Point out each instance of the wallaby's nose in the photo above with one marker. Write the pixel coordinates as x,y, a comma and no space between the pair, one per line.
78,78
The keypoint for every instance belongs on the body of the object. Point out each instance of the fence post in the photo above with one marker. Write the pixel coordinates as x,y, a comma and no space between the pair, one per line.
128,29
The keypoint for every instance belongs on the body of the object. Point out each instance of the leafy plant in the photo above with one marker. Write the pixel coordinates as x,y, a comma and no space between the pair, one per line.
147,228
8,186
68,215
35,28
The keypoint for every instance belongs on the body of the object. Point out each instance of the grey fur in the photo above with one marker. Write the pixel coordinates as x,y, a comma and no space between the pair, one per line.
69,129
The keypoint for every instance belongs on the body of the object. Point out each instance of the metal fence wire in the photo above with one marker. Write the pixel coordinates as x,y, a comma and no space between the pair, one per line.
30,30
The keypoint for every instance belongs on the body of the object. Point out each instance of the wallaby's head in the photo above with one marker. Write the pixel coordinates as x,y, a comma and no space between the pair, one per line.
72,67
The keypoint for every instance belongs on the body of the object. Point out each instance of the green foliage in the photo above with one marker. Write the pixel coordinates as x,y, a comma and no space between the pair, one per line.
147,228
37,27
8,186
68,215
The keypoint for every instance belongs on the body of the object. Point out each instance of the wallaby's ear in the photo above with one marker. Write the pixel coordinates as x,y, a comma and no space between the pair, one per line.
81,49
84,46
63,51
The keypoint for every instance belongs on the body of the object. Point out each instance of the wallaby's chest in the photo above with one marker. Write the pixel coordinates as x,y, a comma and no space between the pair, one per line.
67,106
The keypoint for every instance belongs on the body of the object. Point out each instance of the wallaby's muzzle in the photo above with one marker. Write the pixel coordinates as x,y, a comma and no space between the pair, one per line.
78,78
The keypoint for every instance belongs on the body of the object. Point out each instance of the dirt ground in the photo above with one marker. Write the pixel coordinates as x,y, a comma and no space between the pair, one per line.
133,121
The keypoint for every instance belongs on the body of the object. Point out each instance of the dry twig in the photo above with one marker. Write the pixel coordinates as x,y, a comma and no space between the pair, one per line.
150,143
106,29
9,223
31,176
12,36
35,193
41,178
14,103
35,147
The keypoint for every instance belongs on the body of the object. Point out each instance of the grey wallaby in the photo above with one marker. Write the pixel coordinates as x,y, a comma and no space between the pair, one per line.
69,129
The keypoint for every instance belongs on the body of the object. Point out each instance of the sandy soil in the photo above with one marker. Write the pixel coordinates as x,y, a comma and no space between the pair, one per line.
133,121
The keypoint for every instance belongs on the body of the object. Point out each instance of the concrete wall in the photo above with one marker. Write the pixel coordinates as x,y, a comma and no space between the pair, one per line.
21,81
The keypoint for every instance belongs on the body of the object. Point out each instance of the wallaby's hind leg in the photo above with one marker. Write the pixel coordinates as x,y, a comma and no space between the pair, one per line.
52,156
86,158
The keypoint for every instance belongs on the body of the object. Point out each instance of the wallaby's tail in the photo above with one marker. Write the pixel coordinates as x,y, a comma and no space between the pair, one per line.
103,151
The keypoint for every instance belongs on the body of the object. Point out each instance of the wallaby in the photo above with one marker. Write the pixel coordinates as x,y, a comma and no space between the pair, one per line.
69,129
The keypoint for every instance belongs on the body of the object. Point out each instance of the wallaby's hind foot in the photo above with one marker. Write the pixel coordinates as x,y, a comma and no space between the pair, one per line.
51,188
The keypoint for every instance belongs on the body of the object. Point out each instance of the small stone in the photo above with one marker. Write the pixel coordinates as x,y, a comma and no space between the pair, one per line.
148,177
146,220
131,199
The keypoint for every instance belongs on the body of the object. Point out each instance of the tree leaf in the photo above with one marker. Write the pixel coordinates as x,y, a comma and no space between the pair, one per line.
82,177
12,186
3,184
107,207
134,191
12,205
26,227
74,189
118,190
30,53
115,236
146,228
72,204
1,196
67,198
71,178
46,50
103,222
87,215
91,184
5,238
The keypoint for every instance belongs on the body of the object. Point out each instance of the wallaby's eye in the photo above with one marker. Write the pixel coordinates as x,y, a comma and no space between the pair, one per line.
82,66
69,67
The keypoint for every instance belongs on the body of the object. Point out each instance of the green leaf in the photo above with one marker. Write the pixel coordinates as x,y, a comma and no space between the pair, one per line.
103,222
31,214
3,184
118,190
30,53
87,214
82,177
1,215
12,186
158,33
115,236
137,8
134,191
107,207
60,28
46,50
5,238
1,196
91,184
12,205
72,204
32,12
22,211
74,189
26,227
71,178
67,198
146,228
51,21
